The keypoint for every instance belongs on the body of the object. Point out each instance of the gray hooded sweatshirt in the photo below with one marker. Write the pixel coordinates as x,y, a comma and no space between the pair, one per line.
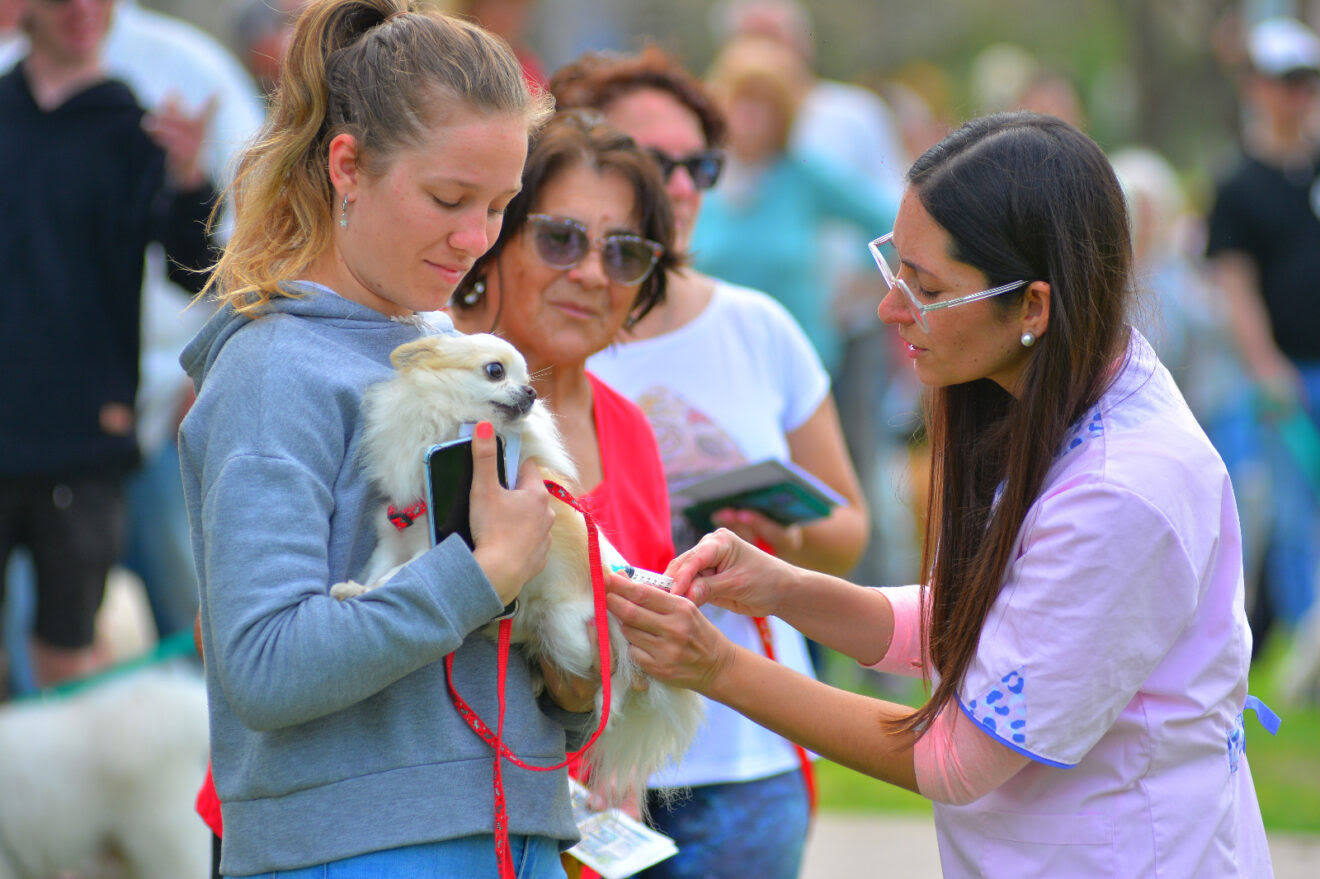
332,731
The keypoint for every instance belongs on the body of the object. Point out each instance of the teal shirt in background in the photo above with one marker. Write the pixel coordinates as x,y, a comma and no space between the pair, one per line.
767,236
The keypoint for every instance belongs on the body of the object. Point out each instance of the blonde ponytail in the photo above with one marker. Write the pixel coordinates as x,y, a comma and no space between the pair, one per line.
381,70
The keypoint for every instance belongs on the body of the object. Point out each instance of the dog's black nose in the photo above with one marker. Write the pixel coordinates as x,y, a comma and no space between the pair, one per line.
526,397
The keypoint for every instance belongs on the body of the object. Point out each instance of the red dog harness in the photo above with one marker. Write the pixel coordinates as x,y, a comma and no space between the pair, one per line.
401,519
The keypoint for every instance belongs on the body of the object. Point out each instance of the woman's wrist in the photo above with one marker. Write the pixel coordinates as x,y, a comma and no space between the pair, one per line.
504,582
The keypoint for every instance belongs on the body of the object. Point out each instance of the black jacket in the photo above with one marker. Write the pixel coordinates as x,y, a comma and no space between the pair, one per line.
82,193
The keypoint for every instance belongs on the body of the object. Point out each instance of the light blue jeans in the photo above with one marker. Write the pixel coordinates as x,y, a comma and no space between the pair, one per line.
468,857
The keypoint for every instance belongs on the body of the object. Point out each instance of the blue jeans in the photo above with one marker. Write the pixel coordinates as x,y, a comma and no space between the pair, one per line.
534,857
731,831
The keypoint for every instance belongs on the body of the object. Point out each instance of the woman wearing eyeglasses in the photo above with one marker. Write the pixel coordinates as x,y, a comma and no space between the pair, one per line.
584,251
726,377
1081,618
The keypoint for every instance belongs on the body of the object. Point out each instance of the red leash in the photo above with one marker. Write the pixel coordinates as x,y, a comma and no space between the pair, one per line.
503,852
808,771
768,645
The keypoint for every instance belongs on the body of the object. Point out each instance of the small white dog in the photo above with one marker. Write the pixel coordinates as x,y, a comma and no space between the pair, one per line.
440,383
110,771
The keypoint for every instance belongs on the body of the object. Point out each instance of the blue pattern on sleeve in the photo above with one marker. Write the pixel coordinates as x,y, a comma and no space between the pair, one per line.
1083,430
1003,710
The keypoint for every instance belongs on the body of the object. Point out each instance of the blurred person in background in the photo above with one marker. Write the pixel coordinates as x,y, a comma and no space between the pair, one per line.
77,223
854,128
261,31
761,227
509,19
170,64
726,377
1183,314
10,32
1264,249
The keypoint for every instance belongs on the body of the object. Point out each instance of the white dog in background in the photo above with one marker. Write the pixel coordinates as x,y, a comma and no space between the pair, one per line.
440,383
107,774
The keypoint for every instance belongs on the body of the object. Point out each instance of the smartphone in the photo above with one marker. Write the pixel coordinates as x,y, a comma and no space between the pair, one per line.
449,487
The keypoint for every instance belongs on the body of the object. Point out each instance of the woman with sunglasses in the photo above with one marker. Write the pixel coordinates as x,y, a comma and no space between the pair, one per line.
1081,616
726,377
584,251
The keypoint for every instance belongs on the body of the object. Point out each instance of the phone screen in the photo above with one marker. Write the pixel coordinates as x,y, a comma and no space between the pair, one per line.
449,487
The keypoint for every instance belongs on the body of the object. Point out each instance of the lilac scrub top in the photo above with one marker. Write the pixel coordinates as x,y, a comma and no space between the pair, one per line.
1116,657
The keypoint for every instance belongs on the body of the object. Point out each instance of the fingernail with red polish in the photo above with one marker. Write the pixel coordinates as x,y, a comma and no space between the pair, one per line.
485,429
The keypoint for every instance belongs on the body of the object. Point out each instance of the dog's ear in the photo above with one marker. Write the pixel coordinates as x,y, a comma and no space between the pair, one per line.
419,353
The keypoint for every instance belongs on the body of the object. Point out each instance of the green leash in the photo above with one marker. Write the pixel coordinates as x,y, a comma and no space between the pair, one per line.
176,646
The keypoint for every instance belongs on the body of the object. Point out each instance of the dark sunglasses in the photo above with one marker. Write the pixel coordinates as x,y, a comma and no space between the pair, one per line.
562,243
703,167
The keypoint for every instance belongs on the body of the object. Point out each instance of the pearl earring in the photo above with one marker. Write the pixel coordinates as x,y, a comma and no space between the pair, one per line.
475,293
1028,339
343,214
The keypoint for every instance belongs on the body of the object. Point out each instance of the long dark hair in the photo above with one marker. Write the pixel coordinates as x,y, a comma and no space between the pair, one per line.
581,138
1022,196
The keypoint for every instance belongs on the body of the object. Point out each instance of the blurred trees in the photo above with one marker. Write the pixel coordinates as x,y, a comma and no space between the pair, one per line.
1146,69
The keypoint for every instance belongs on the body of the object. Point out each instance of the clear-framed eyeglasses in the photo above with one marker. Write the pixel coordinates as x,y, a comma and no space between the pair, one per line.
886,258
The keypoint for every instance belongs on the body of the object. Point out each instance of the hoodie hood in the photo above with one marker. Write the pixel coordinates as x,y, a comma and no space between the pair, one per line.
305,299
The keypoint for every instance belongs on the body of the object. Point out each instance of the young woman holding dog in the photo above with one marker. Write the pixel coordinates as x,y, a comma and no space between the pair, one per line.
726,377
395,144
1082,616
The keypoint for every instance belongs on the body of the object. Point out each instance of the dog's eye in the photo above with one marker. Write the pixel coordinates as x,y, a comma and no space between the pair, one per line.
494,370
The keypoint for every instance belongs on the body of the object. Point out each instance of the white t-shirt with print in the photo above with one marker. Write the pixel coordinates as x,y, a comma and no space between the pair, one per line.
722,390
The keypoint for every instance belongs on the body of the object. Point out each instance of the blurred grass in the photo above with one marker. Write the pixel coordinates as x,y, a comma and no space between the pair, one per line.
1286,767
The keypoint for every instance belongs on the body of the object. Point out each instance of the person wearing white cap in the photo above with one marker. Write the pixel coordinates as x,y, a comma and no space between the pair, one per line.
1264,246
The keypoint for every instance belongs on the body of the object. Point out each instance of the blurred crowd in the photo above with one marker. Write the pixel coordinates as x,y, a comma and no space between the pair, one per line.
122,126
810,170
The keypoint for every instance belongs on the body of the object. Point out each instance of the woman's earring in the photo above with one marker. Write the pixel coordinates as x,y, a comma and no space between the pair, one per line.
475,292
343,214
1028,339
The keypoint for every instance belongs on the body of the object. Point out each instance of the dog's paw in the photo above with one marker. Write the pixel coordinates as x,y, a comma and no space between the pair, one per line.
346,590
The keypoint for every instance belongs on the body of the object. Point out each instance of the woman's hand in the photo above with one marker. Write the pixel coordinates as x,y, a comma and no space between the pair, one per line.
757,529
668,635
510,527
724,570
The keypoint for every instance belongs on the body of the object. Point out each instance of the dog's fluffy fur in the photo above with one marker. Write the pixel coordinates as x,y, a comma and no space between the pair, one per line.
440,383
107,772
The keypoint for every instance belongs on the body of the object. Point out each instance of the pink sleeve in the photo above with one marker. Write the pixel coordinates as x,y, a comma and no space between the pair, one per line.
957,763
904,654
